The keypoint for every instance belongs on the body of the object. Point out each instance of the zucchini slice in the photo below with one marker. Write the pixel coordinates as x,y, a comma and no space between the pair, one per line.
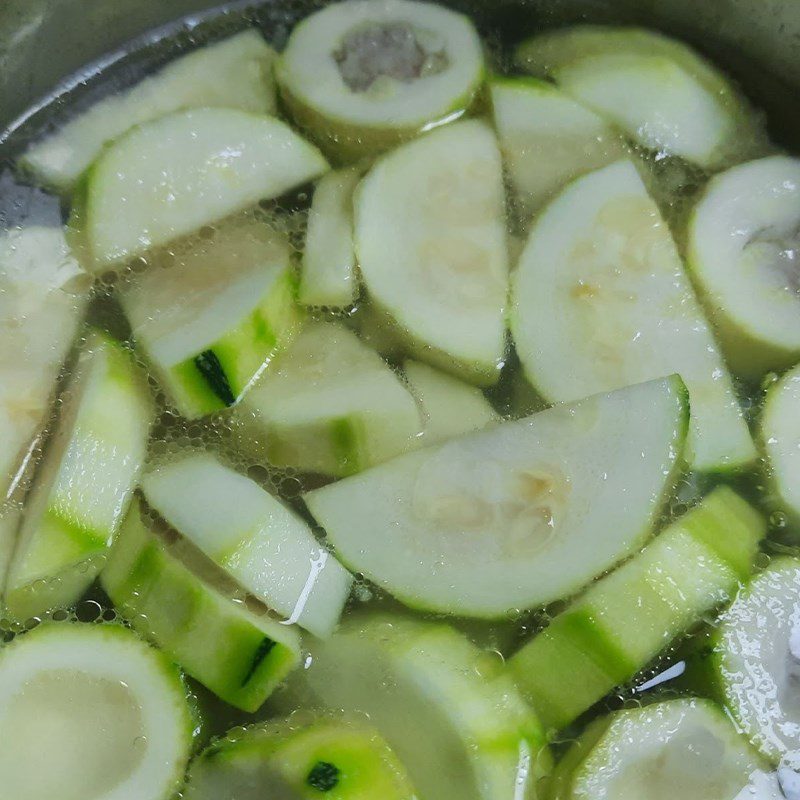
659,91
515,516
212,315
600,287
329,258
329,757
622,622
431,244
330,405
678,748
237,654
449,407
755,658
234,73
743,240
428,690
780,434
363,75
260,542
91,712
84,484
43,296
170,177
547,139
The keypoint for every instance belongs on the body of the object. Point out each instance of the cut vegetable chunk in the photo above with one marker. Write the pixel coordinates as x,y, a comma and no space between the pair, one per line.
600,287
742,250
515,516
90,712
239,655
780,433
212,315
84,484
755,659
329,258
329,405
170,177
267,548
547,140
363,75
449,407
679,748
43,297
431,244
659,91
234,73
427,689
622,622
326,758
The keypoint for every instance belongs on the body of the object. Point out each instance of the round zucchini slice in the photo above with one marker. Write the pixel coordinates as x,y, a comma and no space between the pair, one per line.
91,712
364,74
757,659
683,748
744,237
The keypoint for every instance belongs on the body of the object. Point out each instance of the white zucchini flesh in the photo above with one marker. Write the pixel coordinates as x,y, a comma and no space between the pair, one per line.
362,75
329,258
84,483
743,241
170,177
683,748
515,516
91,712
756,659
234,73
43,296
449,407
663,94
239,654
427,689
330,405
780,435
341,758
211,316
431,245
600,287
268,549
547,139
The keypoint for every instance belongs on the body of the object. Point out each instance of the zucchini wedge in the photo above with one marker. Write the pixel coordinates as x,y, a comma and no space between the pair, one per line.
169,178
601,300
431,246
659,91
233,73
84,483
515,516
211,316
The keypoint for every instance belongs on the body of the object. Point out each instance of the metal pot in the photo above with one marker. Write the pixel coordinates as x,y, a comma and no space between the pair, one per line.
48,45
